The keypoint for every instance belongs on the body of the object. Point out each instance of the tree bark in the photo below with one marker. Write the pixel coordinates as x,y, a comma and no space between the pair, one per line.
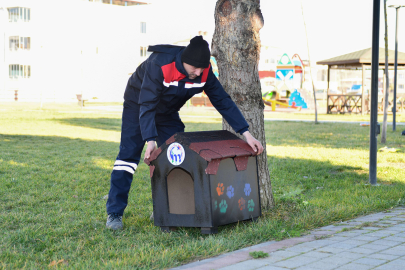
387,81
236,47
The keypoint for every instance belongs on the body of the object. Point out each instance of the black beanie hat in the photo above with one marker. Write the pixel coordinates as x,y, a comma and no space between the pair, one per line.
197,53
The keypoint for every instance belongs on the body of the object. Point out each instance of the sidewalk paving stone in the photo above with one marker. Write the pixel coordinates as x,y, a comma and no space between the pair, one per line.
395,238
339,238
397,228
246,265
366,237
296,261
321,265
343,245
381,233
351,233
303,268
331,250
371,229
386,242
362,250
383,256
398,250
337,260
369,261
281,255
317,254
398,262
355,266
300,248
319,243
373,247
271,268
389,267
356,242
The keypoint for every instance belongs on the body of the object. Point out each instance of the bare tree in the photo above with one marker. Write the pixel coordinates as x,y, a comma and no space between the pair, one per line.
310,69
236,46
387,82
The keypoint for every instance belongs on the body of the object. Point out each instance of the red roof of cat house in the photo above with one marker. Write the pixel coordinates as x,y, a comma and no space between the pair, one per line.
213,146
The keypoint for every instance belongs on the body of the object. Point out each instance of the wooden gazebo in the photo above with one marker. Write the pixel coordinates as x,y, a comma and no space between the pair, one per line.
359,60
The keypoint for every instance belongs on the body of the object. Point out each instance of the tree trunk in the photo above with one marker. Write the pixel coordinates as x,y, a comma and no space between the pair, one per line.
236,47
310,69
387,81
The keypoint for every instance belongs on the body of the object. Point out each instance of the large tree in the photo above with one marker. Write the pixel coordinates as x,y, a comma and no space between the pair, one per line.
236,47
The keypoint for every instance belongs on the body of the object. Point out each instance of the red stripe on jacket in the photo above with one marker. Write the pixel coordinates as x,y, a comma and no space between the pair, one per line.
171,74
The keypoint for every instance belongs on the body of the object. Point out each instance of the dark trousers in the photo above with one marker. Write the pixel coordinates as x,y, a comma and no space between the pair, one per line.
131,147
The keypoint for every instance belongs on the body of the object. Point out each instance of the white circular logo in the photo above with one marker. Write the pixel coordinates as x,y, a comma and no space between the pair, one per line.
176,154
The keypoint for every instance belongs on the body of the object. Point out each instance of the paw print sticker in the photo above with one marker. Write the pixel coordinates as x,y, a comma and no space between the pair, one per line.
251,205
247,189
215,205
223,206
241,204
230,192
220,189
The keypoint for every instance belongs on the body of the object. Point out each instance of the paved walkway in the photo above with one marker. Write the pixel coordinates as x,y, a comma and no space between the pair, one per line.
375,241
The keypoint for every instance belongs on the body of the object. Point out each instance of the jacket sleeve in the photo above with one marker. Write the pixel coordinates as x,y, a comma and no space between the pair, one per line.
149,97
224,104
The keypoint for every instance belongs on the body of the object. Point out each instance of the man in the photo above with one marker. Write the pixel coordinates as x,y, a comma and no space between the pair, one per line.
153,97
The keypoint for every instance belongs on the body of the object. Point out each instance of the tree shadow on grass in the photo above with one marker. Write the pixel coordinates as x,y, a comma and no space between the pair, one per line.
52,190
301,134
325,135
113,124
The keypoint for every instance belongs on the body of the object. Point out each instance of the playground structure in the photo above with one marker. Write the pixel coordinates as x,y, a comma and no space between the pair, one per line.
289,75
289,78
273,103
295,101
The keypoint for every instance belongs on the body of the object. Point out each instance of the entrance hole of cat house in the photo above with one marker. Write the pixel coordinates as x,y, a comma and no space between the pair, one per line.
180,191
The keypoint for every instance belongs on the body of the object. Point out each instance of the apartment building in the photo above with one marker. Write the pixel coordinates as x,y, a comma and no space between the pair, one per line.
54,50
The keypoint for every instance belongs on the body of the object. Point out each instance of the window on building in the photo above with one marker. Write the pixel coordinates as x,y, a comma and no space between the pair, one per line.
19,14
400,76
266,61
272,60
19,71
14,43
400,86
25,43
143,27
143,51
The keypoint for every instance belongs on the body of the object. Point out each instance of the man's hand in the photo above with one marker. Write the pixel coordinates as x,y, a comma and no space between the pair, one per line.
255,144
149,149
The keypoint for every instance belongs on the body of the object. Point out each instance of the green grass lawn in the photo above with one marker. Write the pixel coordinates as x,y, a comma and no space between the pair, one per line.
55,166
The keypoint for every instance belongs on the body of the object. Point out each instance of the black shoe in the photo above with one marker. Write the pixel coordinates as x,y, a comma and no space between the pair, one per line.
114,221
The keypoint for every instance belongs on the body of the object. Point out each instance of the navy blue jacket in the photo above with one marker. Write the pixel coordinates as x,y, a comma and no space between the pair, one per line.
160,86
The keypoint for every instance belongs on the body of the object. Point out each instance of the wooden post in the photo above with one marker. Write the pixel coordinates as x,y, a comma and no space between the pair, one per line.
327,92
363,79
384,89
